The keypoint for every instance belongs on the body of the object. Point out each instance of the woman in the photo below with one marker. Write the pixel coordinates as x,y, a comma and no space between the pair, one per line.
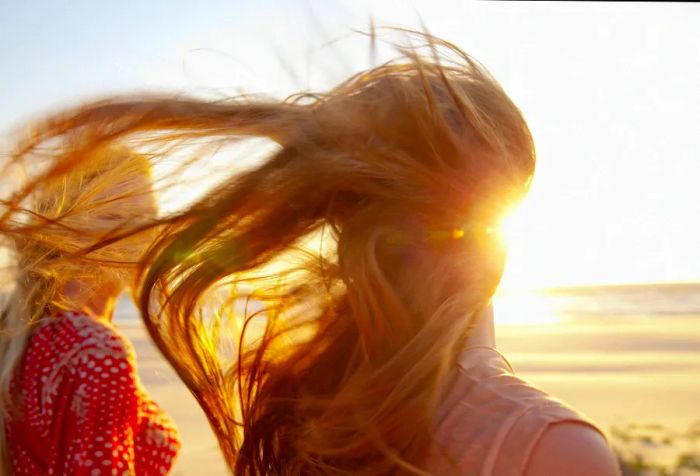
369,236
71,399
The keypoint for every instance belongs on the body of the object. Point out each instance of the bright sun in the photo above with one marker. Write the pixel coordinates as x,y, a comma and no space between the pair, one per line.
523,308
516,303
530,265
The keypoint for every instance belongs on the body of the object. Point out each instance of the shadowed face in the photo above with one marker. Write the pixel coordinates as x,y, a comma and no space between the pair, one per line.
97,237
120,208
128,203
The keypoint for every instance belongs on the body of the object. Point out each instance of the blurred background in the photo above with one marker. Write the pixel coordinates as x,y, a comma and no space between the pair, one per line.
600,304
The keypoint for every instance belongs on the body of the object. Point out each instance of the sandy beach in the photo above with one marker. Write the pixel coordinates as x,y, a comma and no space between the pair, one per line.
617,370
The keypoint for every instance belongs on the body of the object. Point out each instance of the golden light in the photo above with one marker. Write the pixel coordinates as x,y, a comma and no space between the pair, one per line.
522,308
524,230
508,227
517,302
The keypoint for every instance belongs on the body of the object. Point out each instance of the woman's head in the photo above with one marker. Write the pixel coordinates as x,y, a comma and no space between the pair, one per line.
419,161
392,182
69,212
51,227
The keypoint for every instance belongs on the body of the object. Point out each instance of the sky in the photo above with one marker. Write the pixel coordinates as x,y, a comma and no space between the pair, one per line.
609,91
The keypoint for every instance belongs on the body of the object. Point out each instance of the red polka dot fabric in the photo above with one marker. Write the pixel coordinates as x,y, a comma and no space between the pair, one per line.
83,409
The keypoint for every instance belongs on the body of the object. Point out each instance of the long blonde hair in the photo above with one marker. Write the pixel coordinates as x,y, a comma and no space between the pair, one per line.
48,225
366,235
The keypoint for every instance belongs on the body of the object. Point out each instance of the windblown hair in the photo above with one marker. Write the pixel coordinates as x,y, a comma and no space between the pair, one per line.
46,225
367,235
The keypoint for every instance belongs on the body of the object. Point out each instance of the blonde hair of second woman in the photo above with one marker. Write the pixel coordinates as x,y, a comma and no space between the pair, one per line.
49,227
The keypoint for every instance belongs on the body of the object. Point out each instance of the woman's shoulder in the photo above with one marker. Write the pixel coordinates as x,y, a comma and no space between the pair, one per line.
68,354
75,328
488,380
572,449
493,420
79,340
486,370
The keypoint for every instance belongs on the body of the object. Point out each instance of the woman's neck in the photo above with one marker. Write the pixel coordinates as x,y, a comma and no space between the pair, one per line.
483,333
98,303
100,307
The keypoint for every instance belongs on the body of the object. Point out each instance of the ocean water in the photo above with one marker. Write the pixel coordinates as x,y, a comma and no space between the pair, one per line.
611,319
606,302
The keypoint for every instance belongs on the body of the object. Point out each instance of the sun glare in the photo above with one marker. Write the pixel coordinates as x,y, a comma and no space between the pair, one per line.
523,309
509,225
529,252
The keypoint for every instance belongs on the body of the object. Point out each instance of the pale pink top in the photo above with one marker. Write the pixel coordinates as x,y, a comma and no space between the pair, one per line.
492,420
